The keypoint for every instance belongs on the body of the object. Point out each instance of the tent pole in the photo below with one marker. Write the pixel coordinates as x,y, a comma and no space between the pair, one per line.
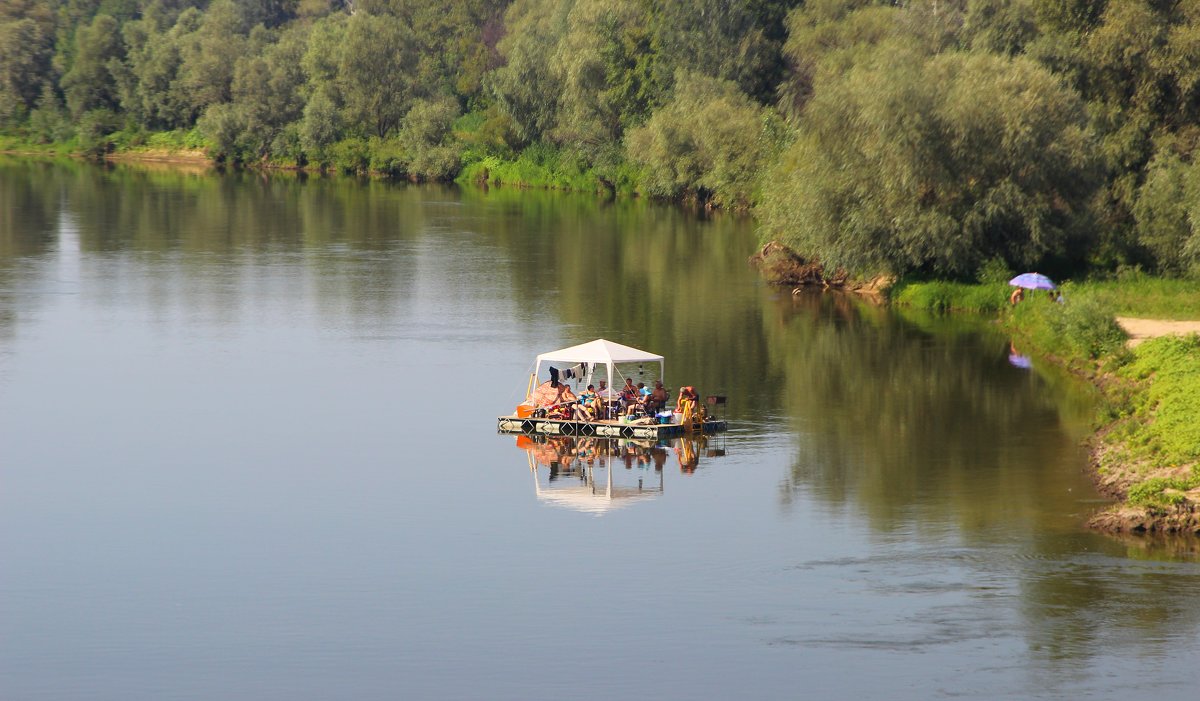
608,400
608,493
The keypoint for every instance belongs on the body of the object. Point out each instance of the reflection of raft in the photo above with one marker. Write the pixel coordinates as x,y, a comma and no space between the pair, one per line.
613,429
599,474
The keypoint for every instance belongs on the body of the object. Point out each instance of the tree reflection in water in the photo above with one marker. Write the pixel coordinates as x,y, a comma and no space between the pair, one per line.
917,425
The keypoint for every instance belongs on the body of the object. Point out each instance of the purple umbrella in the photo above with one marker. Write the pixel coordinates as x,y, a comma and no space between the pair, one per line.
1033,281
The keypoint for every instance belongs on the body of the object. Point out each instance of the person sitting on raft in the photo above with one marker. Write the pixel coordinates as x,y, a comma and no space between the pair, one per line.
629,393
563,402
586,407
639,403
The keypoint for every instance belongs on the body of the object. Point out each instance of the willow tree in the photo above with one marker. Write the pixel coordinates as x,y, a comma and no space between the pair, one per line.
708,140
938,164
527,88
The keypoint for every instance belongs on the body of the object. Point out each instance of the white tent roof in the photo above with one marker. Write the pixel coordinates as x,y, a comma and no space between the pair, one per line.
599,351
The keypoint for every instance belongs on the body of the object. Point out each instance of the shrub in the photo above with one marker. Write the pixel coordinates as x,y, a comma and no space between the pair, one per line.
1082,328
351,155
710,139
95,131
431,152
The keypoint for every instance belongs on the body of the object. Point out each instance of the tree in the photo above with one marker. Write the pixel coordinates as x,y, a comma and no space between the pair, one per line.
527,87
375,72
90,83
25,52
266,93
936,165
827,37
208,56
1167,212
709,139
724,39
426,137
606,67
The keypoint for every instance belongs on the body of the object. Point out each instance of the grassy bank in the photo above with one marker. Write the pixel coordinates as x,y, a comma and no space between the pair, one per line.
539,166
545,167
1146,451
20,145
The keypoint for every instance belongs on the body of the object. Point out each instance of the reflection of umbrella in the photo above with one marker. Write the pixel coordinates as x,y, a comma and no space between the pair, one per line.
1020,361
1033,281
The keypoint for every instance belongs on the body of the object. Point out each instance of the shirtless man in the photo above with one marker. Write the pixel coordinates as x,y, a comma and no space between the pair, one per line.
658,398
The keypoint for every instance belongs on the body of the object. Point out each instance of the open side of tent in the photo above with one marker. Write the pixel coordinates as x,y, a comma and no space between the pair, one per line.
599,351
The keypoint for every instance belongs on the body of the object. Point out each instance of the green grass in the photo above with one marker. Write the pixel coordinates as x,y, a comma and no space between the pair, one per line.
17,143
938,296
1166,426
1149,297
544,166
1133,294
178,140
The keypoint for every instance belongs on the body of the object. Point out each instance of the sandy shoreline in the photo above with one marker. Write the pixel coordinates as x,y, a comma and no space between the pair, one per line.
1143,329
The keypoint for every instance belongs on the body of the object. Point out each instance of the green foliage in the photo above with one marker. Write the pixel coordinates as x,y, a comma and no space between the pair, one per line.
208,56
179,139
90,84
351,156
1167,211
427,139
605,67
541,165
723,39
224,125
926,136
96,129
50,121
25,53
1082,329
527,86
1160,494
1167,415
376,64
708,139
994,271
907,164
938,296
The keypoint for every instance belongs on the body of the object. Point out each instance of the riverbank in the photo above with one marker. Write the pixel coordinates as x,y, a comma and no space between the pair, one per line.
1145,451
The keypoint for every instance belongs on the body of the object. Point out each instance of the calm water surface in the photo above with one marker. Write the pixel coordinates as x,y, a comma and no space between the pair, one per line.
247,451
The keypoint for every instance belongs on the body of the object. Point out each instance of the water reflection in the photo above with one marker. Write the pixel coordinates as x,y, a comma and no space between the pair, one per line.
893,418
596,475
1017,359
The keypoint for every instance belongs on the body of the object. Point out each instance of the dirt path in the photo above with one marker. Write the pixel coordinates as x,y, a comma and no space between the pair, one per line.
1141,329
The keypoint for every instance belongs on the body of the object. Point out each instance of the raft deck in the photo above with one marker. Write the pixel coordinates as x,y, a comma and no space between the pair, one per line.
610,429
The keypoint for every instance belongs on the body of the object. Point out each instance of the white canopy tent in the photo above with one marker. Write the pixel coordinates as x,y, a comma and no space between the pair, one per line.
599,351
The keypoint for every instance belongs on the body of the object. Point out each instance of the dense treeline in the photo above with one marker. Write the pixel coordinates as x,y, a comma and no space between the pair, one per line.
938,136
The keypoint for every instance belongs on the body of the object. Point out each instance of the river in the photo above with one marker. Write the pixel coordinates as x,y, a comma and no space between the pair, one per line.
248,451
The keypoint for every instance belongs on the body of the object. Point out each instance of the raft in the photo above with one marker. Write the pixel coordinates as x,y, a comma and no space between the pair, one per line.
607,429
582,362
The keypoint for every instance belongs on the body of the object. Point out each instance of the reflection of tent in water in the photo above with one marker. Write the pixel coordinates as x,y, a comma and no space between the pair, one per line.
579,473
596,475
